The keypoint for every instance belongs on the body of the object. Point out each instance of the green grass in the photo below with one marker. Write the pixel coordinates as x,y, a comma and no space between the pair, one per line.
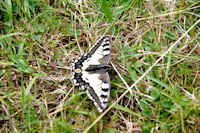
39,39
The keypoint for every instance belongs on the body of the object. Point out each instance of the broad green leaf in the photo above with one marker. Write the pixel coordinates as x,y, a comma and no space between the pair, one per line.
107,11
132,73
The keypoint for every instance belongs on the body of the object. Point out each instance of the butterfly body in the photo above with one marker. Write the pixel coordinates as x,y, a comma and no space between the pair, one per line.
90,72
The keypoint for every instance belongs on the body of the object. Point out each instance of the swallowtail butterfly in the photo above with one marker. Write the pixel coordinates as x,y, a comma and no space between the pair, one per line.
89,72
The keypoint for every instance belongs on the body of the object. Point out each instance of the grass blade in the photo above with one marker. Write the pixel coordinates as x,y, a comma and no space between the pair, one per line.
119,107
27,91
157,81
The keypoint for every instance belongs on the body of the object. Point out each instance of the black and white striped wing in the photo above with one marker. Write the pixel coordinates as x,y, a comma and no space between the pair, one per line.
99,53
98,88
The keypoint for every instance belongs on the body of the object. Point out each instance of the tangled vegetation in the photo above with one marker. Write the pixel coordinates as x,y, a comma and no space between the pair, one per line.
155,75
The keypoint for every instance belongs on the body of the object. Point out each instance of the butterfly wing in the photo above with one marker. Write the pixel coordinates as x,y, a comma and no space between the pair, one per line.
98,88
99,53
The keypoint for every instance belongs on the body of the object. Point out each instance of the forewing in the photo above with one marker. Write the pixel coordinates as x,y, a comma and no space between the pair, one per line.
99,53
98,88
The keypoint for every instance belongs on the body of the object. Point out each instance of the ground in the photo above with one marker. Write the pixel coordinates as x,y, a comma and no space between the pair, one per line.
155,73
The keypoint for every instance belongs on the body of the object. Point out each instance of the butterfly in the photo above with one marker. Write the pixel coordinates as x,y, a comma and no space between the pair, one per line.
89,72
